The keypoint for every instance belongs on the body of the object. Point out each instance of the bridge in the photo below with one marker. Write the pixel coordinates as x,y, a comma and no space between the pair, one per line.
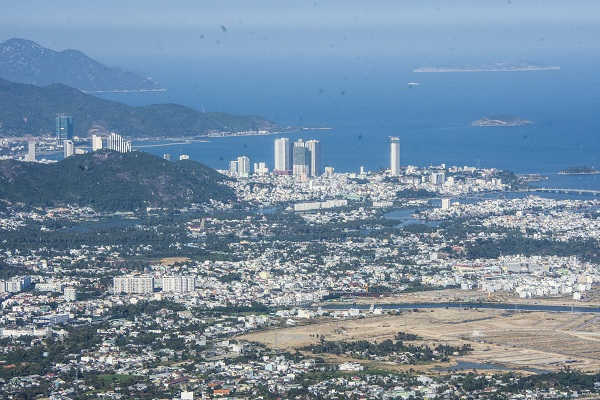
566,191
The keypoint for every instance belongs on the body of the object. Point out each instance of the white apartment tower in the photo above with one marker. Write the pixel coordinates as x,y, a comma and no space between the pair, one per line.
283,156
96,142
30,151
243,167
69,148
314,146
394,156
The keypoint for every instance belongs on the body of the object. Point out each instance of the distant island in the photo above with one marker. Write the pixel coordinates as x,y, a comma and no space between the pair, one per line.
584,170
501,120
506,66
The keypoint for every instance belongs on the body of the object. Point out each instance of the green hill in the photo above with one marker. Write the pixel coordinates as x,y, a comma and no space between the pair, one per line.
111,181
28,109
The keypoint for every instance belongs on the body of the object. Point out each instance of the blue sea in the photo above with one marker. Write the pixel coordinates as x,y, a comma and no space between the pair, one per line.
433,120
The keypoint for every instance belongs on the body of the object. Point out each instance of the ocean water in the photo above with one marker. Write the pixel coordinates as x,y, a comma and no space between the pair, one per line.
432,120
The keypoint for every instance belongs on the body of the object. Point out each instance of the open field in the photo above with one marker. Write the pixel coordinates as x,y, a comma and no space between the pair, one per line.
443,296
516,340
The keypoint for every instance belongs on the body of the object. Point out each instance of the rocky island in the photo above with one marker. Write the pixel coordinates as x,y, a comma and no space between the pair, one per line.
501,120
585,170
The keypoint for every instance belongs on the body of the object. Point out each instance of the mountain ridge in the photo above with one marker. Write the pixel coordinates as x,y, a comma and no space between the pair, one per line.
25,61
31,110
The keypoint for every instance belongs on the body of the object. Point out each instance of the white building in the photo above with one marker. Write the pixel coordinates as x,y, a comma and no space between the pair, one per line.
117,143
178,284
69,148
70,294
261,168
15,284
445,204
437,178
394,156
283,156
96,142
133,284
243,167
314,146
30,152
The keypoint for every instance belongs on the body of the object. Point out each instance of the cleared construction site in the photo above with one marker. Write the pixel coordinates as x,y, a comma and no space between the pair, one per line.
530,342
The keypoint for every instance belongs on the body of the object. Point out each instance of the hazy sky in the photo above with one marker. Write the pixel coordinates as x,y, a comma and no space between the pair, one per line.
120,32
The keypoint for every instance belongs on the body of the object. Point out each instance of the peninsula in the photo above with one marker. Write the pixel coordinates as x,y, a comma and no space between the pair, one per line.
501,120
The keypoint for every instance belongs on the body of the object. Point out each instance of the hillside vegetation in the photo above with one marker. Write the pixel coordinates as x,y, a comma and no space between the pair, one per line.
111,181
31,110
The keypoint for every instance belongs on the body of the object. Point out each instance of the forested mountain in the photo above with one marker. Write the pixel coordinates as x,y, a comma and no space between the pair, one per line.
111,181
28,109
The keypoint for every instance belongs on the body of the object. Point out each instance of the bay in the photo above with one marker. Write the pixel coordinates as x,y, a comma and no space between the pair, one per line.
433,120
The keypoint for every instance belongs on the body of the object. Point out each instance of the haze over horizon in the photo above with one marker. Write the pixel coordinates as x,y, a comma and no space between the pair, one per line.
121,33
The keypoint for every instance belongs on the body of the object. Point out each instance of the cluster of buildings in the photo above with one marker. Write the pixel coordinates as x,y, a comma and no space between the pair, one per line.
146,284
65,139
301,158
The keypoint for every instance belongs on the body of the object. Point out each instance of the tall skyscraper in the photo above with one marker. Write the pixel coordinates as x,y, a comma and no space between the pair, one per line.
64,128
69,148
233,168
314,146
283,156
301,159
243,166
116,142
96,142
394,156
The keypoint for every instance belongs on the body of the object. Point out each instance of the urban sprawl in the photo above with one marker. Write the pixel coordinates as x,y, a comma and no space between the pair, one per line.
309,286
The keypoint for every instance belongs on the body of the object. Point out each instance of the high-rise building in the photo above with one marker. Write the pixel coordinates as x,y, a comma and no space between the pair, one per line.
243,167
30,151
64,129
314,146
96,142
233,168
301,159
445,203
116,142
437,178
69,148
283,156
394,156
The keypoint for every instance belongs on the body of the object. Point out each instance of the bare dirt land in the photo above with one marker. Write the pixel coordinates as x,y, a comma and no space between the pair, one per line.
526,341
169,261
